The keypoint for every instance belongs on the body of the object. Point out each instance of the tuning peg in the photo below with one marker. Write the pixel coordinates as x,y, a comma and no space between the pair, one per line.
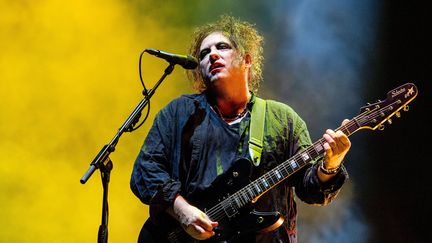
389,121
406,108
398,115
381,127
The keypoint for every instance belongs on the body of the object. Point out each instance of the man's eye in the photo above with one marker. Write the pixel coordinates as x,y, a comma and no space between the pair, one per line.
223,46
203,54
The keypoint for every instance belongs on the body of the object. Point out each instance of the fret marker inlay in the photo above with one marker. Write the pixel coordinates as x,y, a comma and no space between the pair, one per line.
278,175
264,182
319,147
293,164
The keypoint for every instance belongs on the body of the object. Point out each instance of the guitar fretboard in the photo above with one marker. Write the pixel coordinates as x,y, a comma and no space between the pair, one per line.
231,205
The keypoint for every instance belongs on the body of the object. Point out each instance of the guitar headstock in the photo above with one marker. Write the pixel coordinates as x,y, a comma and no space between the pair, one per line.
373,116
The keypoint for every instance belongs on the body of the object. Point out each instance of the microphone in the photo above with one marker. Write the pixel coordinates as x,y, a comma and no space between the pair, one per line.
187,62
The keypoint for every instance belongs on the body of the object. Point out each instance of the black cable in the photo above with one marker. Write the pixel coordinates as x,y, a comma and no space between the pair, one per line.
145,93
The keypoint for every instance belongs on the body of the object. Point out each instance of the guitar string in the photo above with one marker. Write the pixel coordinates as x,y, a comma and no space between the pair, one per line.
218,211
248,193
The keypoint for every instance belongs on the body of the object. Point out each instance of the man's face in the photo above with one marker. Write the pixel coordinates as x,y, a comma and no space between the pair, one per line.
219,60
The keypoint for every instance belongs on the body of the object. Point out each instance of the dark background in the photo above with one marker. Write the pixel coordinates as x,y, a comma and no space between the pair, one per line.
397,198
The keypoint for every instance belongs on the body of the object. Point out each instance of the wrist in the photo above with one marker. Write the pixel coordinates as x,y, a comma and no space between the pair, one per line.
328,171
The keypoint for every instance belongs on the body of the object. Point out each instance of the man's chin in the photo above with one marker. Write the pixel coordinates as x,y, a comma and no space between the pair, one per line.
213,78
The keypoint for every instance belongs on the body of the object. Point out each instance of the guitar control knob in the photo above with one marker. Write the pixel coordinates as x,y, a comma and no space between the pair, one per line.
260,220
235,173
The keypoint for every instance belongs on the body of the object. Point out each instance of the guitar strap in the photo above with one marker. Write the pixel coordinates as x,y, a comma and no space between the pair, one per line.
256,130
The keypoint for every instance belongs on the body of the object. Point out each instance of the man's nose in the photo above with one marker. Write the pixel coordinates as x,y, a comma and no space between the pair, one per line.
214,56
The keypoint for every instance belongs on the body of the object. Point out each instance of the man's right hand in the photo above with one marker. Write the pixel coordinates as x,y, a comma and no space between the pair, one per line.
194,221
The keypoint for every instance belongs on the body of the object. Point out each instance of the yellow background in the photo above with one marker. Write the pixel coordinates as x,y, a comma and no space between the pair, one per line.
69,79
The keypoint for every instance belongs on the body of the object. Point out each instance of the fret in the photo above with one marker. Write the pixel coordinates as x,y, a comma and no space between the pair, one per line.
351,127
278,174
273,179
300,162
284,172
265,183
355,126
251,194
293,164
233,203
244,196
345,130
318,147
270,177
288,167
311,151
257,188
238,202
305,156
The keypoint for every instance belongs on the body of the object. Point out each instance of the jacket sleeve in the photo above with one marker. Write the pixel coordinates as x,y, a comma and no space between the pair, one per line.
151,179
308,187
312,191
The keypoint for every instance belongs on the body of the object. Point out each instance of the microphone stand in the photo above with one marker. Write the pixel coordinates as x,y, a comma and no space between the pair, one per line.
103,162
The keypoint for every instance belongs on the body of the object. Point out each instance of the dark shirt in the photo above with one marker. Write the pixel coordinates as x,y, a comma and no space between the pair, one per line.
189,146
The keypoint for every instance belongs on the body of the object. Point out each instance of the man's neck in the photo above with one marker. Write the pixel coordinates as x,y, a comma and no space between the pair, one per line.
231,103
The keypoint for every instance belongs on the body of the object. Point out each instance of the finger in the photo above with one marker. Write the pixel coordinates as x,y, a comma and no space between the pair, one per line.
329,139
198,229
331,133
200,233
206,223
327,151
343,139
339,141
345,121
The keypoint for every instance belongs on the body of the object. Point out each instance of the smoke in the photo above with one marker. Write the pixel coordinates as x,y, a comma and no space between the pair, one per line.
319,63
69,78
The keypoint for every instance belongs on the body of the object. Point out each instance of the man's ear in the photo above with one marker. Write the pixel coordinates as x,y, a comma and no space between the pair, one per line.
248,60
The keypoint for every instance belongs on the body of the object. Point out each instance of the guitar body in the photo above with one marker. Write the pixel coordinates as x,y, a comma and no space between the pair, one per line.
236,224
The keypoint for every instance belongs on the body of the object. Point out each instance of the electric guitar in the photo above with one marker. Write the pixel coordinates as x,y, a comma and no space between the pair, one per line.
234,209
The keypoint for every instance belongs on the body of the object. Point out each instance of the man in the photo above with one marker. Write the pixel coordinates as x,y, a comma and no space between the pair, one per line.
197,138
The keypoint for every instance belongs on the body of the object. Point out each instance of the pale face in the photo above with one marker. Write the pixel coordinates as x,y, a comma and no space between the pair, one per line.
219,61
